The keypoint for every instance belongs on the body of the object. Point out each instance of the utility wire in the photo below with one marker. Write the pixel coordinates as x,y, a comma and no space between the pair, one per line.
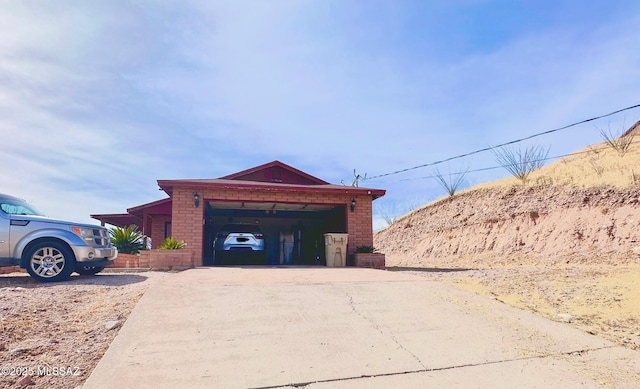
502,166
504,144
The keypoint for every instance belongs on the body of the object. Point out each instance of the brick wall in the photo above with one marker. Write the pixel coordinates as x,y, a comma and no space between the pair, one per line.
11,269
157,230
372,260
166,259
187,220
126,261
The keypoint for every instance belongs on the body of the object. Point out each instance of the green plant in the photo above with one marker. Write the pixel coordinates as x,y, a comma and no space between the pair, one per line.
127,239
365,249
172,243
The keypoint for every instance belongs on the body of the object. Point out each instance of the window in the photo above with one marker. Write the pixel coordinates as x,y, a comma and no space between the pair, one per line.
167,229
18,208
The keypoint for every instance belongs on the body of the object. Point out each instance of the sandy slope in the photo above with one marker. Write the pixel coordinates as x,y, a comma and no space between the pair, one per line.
521,226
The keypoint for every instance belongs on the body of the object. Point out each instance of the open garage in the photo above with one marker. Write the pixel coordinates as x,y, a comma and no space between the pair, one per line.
290,209
293,233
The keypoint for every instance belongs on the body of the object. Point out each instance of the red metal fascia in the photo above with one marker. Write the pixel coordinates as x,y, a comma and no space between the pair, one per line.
169,185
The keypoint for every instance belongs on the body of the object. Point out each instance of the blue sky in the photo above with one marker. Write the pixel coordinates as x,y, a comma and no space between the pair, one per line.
99,99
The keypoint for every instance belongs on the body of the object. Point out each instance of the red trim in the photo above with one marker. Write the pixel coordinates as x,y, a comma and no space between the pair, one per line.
118,219
140,208
270,165
273,202
168,185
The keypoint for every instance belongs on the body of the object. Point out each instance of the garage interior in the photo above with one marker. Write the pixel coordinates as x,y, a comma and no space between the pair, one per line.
296,228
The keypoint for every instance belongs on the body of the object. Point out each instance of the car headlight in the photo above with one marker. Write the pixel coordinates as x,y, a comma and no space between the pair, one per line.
85,233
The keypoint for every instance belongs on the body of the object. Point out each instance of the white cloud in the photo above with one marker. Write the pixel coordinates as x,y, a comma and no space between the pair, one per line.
99,101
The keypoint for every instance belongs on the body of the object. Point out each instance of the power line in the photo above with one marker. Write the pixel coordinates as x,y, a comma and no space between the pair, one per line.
501,167
505,144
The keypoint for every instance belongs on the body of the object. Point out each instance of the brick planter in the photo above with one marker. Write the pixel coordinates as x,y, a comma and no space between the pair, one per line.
11,269
126,261
167,259
370,260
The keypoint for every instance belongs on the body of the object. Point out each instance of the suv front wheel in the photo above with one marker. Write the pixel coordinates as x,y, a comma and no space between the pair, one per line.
50,261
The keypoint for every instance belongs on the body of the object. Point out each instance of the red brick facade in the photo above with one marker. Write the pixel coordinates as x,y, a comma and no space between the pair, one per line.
157,234
187,220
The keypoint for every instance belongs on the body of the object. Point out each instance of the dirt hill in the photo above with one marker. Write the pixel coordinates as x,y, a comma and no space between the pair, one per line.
582,209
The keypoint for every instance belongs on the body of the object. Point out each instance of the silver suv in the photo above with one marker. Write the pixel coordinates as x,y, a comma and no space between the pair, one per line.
50,249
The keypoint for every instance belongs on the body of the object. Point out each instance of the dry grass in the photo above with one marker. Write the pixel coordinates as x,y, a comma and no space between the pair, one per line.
593,166
602,300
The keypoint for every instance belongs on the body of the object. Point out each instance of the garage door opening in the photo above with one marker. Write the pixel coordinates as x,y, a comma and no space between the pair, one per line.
293,233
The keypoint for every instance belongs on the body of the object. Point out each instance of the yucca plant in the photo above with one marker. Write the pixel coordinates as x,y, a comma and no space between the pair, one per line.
365,249
172,243
127,239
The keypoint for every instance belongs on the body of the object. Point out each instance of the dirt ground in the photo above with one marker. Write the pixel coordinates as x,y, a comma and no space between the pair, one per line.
53,335
600,300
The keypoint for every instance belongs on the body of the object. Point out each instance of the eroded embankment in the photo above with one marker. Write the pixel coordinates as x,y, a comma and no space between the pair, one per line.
533,225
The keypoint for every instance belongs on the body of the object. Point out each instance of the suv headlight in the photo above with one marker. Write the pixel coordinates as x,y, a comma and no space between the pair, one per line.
85,233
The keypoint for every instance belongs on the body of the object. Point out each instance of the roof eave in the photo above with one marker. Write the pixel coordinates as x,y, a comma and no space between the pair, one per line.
168,185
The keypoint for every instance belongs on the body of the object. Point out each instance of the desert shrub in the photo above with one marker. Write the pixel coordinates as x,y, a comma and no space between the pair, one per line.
172,243
520,163
452,183
127,239
595,165
620,142
389,219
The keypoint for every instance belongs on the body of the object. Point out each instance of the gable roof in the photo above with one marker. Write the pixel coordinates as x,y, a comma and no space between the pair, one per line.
265,173
272,176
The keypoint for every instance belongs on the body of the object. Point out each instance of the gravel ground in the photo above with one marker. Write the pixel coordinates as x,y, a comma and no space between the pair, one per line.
53,335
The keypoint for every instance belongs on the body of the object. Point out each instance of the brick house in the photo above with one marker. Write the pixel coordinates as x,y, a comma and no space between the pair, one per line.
275,196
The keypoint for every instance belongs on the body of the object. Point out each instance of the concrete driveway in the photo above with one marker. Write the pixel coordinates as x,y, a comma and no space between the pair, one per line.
346,328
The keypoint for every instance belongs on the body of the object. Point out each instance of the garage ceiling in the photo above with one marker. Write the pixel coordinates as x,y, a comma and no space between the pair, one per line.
269,206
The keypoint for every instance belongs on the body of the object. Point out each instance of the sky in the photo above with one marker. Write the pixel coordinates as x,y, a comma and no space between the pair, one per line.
100,99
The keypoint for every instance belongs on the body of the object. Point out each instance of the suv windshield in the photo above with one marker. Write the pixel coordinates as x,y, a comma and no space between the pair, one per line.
18,207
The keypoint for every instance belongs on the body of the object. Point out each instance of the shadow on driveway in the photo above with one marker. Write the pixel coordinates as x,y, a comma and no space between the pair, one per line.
112,279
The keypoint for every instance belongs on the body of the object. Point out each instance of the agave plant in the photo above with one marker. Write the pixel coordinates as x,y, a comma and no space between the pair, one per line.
127,239
172,243
365,249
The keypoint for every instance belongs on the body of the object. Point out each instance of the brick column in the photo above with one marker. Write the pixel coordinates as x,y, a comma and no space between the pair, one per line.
186,223
359,223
